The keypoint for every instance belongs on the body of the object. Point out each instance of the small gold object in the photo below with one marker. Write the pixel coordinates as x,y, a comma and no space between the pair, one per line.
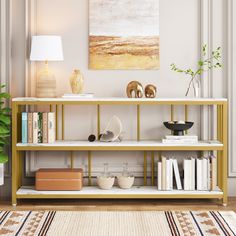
150,91
136,87
77,82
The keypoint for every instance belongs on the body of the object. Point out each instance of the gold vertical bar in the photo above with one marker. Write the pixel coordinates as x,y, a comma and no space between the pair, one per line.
138,122
172,115
62,122
71,159
186,115
50,108
172,112
219,153
98,121
145,168
153,168
14,153
89,168
225,152
57,122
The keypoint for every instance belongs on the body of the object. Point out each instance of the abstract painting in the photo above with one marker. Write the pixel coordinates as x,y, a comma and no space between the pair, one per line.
123,34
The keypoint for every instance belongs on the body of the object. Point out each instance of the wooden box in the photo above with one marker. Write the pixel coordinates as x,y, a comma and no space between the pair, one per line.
59,179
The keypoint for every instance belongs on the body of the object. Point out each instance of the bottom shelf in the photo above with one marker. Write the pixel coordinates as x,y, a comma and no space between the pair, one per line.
115,192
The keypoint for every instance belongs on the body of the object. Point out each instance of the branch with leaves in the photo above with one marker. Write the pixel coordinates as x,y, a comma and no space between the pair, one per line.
5,124
204,64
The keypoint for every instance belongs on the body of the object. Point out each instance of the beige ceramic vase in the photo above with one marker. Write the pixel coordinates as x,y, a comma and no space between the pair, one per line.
77,82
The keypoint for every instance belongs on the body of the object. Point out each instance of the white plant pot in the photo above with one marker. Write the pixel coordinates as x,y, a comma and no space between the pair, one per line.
1,173
125,182
105,183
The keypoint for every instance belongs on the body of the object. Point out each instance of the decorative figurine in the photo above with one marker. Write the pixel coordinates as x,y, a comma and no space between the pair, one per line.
150,91
112,131
77,82
136,87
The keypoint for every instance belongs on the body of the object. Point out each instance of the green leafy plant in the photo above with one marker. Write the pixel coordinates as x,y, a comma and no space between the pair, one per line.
5,124
204,64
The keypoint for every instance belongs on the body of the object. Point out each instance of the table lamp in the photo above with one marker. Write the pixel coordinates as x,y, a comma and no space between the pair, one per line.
46,48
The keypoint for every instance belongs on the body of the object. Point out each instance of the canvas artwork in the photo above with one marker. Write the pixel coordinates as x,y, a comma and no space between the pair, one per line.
124,34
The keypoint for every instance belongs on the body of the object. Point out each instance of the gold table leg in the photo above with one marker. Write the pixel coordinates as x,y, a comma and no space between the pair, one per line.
153,169
138,122
98,121
89,168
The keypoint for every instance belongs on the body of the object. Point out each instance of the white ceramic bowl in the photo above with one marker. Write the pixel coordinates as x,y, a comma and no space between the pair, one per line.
125,182
105,183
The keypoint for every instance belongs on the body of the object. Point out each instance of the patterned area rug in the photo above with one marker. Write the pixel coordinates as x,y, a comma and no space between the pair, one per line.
131,223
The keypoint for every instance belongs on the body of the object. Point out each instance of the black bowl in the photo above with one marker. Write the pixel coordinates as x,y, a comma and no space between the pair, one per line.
178,129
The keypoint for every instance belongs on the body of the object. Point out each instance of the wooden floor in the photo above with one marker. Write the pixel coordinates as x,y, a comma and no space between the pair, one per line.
119,205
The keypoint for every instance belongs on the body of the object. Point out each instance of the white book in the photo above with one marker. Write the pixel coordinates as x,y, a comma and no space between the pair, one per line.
187,174
35,127
180,141
80,95
204,174
208,174
51,127
177,175
199,174
192,173
181,137
163,173
159,175
169,175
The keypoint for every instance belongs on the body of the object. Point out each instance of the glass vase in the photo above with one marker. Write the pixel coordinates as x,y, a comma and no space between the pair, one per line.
196,84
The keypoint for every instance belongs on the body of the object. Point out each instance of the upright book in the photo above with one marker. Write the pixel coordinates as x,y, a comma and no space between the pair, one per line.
30,127
35,127
24,123
45,127
51,127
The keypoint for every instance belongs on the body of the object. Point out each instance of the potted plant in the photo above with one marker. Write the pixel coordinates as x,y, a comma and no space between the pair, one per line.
5,130
204,64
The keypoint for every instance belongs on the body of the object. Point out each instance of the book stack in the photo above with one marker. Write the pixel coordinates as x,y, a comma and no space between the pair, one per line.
167,170
38,127
198,174
77,96
182,139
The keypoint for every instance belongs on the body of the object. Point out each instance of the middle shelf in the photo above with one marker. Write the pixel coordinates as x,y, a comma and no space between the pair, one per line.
148,145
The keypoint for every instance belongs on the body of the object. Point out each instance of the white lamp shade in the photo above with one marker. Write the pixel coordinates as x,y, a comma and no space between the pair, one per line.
46,48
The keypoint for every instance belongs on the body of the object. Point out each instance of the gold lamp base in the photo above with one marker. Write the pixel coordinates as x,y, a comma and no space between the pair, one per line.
46,84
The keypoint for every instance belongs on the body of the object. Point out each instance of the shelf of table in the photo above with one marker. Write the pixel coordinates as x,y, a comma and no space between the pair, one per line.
119,101
28,192
121,146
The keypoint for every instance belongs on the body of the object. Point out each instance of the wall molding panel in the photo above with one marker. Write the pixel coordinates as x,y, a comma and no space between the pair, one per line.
231,85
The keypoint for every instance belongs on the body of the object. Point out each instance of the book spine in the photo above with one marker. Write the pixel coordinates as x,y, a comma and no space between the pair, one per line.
187,174
193,173
171,174
177,175
208,174
167,174
40,127
199,174
51,127
45,127
30,127
204,174
35,127
163,176
159,174
24,123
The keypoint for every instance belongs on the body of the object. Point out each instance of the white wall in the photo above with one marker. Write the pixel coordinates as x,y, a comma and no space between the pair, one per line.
184,26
